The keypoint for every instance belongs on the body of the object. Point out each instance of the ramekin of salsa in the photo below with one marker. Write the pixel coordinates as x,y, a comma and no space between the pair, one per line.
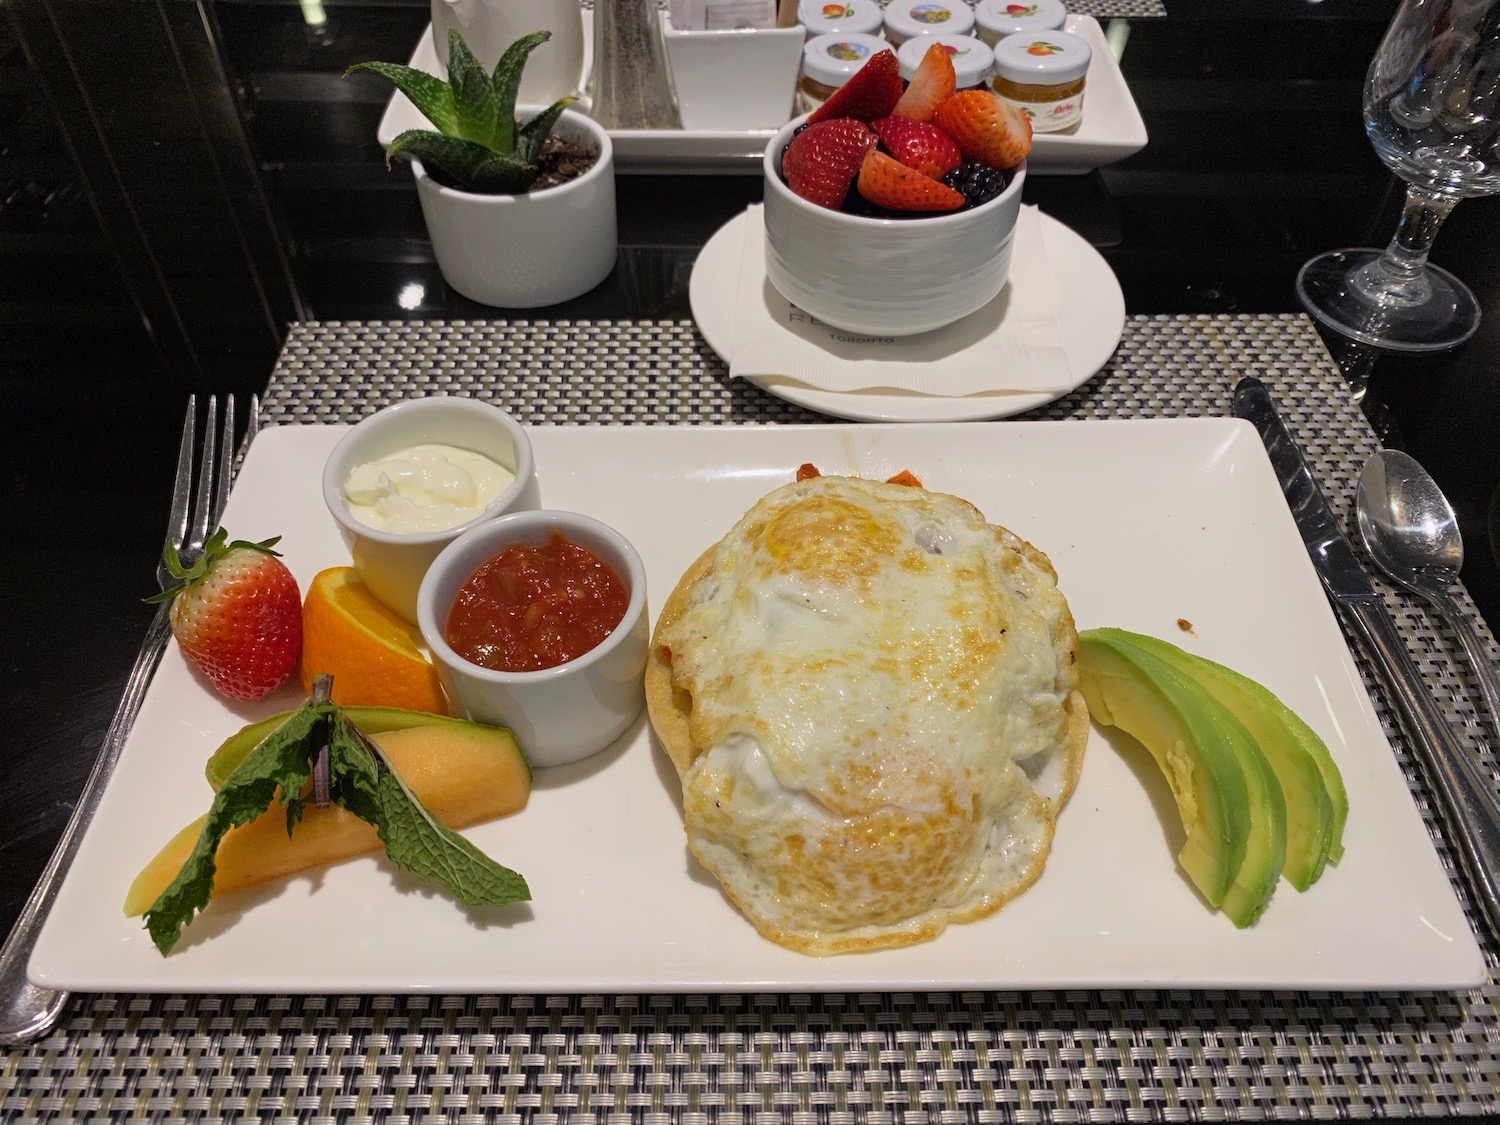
537,622
536,606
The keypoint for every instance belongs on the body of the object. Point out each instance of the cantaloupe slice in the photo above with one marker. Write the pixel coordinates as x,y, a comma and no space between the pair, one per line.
371,720
463,772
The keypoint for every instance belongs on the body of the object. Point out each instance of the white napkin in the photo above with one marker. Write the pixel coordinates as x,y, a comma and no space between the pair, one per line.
1011,346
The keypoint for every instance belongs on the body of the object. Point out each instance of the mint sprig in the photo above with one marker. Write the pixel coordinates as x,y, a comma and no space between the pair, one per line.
361,780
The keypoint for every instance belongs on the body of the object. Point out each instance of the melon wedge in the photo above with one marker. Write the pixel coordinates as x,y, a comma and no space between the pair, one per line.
464,773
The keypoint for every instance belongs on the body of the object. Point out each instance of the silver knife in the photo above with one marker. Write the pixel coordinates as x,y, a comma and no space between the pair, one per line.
1469,805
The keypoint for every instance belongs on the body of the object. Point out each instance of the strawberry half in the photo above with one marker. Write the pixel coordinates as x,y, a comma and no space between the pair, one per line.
822,160
985,128
886,182
237,615
918,144
932,83
871,92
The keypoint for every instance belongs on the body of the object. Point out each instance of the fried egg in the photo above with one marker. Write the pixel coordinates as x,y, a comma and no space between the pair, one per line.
870,697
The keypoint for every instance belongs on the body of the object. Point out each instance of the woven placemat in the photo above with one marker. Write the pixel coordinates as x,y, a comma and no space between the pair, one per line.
783,1059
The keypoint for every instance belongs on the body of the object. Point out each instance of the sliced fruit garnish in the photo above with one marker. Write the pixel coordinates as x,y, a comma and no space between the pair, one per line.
985,128
823,159
886,182
872,91
918,144
371,653
932,83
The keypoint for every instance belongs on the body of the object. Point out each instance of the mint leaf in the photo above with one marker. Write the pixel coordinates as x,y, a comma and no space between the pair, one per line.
278,763
362,780
413,837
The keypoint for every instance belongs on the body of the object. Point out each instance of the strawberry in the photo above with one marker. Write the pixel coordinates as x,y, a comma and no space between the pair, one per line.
823,159
886,182
237,615
985,128
931,84
871,92
918,144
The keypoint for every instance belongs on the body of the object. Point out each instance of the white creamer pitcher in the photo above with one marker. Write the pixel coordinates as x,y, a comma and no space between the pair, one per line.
553,70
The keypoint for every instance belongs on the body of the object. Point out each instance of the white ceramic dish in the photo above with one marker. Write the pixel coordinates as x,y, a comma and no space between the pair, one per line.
758,64
1091,319
393,565
1111,130
1146,523
561,714
893,277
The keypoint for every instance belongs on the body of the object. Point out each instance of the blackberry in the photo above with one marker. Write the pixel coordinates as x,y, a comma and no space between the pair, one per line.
977,183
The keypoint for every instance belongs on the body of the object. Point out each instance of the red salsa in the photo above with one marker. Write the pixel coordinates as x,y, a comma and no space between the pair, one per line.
530,608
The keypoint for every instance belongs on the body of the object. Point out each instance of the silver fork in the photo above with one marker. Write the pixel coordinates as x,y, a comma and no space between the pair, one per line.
27,1010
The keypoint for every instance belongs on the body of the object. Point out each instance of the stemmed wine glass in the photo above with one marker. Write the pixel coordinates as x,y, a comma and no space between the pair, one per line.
1430,109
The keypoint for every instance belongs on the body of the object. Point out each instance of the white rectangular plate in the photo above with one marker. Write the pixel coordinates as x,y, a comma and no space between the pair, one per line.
1146,522
1111,129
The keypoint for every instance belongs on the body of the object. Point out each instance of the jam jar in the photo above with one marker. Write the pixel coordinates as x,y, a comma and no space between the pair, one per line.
828,61
995,19
1043,75
972,58
839,17
908,19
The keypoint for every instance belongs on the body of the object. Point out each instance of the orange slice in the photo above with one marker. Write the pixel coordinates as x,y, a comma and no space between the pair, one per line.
374,656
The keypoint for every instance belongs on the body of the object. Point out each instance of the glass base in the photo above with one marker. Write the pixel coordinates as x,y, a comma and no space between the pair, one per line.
1344,292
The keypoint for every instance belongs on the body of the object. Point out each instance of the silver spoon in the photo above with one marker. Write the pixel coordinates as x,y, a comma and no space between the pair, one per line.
1412,534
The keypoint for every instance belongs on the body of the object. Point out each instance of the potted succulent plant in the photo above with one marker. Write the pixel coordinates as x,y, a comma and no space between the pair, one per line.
519,201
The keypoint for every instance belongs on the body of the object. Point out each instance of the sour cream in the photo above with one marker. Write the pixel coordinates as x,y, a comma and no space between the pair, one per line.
424,488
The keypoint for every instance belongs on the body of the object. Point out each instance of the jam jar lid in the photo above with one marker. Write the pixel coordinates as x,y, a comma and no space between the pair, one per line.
1007,17
1043,58
906,19
972,57
826,17
831,59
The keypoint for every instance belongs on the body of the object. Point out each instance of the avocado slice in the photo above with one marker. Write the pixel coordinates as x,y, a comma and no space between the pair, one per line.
371,720
1227,795
1316,803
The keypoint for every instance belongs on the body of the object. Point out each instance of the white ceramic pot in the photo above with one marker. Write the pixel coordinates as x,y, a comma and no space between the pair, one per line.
561,714
525,251
734,80
553,70
393,564
885,277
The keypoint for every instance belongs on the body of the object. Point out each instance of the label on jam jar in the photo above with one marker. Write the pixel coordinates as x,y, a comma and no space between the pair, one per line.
1043,75
1050,117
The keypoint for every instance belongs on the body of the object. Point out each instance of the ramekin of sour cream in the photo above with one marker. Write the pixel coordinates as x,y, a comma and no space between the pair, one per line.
405,482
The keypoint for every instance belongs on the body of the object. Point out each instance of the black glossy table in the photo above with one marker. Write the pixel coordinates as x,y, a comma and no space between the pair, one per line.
1256,162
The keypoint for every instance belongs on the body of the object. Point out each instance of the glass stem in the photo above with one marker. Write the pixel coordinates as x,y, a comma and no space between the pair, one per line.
1397,277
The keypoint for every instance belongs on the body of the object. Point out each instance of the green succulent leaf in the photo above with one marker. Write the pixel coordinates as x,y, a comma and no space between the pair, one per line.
473,166
478,112
478,142
535,132
507,80
427,92
504,175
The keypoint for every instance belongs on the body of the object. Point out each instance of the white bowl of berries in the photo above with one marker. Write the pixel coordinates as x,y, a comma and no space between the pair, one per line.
891,211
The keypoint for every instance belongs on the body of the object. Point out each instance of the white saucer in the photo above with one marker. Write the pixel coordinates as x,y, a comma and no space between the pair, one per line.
1091,318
